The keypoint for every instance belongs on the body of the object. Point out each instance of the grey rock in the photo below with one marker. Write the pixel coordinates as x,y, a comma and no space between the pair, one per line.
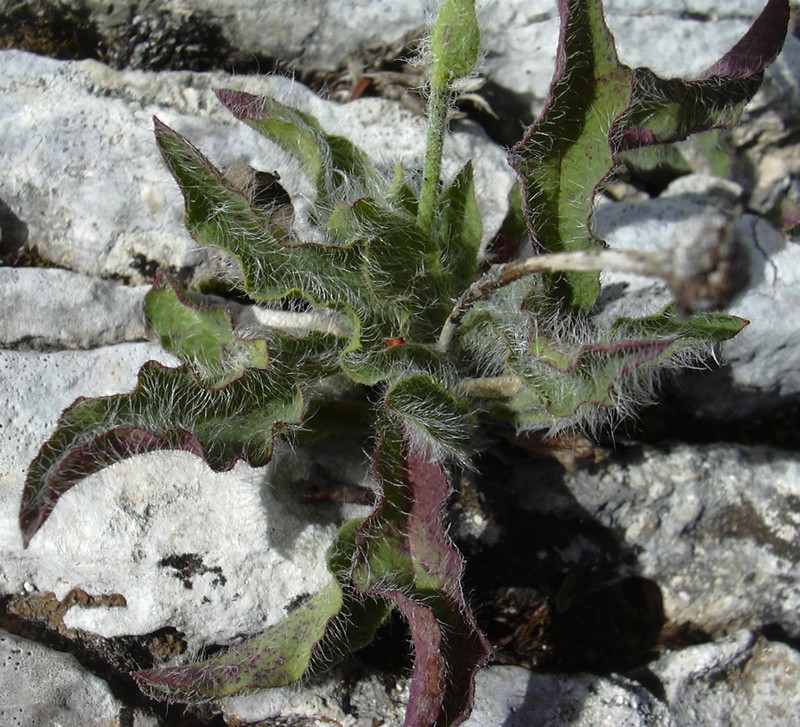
372,697
40,686
308,34
83,178
716,527
518,39
740,680
514,697
58,309
504,695
764,141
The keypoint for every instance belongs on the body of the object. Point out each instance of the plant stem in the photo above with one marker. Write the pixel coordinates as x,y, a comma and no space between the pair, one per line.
437,124
492,387
297,322
624,261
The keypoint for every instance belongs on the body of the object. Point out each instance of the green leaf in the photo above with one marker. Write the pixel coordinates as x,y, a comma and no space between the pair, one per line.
275,658
386,279
219,215
404,555
434,419
401,263
334,622
169,409
400,194
508,241
460,229
326,159
201,336
404,270
573,374
701,328
565,155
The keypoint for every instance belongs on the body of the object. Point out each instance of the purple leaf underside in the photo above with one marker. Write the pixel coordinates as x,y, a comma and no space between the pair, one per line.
405,555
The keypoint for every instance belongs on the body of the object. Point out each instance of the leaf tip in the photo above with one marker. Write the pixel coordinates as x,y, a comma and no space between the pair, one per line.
244,106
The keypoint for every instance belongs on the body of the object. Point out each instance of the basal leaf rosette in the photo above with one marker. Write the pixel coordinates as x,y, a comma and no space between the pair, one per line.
375,267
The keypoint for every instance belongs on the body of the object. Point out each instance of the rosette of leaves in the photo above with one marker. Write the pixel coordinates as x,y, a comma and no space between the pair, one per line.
433,345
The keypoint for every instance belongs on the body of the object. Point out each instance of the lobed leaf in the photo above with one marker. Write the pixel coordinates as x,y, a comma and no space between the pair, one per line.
333,622
169,409
201,336
404,555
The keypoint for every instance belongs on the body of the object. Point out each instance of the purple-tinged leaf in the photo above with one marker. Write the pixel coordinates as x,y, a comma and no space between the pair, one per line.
405,555
758,47
275,658
334,622
168,410
597,108
668,110
555,376
565,155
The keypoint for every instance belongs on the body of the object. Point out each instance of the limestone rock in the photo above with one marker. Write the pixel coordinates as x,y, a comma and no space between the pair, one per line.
85,184
716,527
41,686
741,680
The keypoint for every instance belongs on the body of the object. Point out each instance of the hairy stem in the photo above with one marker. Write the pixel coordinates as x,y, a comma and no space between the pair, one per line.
437,124
637,263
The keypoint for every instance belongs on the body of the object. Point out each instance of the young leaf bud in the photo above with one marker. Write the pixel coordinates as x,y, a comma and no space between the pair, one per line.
455,43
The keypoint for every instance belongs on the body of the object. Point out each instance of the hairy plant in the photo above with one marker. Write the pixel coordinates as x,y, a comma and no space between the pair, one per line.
437,344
